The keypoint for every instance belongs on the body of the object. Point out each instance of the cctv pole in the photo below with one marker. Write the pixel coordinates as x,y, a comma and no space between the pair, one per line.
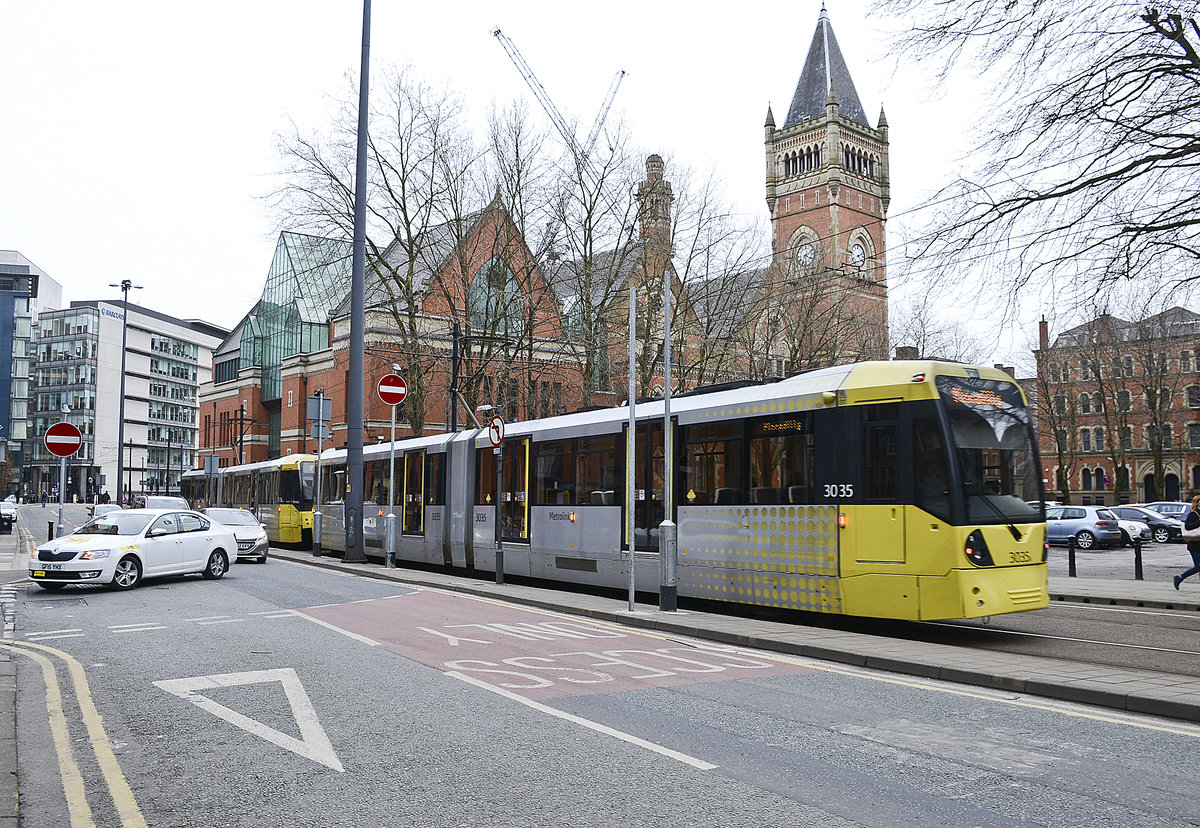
631,450
354,386
668,533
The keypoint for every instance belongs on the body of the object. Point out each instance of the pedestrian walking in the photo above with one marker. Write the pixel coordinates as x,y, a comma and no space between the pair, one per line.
1191,523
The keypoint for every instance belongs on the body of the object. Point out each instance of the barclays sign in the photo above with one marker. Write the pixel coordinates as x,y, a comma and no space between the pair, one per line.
112,313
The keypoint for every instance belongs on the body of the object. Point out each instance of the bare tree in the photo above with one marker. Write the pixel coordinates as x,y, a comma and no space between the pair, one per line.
417,157
916,323
1058,414
1090,164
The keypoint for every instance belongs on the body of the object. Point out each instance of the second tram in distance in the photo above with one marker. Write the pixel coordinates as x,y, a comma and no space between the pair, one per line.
883,489
279,492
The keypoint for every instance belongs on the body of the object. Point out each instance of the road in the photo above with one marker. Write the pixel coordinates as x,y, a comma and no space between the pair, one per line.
283,695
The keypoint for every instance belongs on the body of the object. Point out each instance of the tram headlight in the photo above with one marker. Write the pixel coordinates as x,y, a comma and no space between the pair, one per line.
976,550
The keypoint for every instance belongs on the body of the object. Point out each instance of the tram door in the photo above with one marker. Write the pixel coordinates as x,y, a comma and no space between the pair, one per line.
649,489
414,488
514,491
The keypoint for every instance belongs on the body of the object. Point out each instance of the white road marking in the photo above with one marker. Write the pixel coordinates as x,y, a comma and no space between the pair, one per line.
314,745
596,726
276,613
52,636
206,618
131,628
370,642
222,621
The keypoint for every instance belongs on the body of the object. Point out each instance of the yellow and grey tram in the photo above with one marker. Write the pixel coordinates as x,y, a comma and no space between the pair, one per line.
279,492
884,489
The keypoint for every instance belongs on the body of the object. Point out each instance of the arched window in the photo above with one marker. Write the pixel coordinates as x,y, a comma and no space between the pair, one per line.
495,301
1087,480
1085,404
1123,479
1101,478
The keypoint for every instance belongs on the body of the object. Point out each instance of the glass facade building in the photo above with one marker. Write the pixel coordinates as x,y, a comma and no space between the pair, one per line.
308,279
17,286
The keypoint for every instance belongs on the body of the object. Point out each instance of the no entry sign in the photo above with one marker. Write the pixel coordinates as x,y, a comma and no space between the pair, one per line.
393,389
62,439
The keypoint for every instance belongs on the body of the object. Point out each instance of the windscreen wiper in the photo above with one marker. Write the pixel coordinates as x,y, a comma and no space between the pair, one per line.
1013,530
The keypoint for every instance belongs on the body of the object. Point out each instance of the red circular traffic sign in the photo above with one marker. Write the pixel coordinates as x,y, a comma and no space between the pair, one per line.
393,389
62,439
496,430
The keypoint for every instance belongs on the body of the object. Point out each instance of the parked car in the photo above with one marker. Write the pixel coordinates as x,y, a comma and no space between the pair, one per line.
1090,526
8,515
251,537
1131,529
160,502
124,546
1162,528
1177,509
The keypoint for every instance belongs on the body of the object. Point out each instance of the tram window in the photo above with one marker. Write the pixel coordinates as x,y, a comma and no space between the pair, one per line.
931,487
880,444
375,482
781,460
334,486
554,473
485,477
600,484
435,480
712,465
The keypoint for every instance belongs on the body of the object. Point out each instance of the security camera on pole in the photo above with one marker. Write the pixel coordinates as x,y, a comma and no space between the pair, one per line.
62,440
392,390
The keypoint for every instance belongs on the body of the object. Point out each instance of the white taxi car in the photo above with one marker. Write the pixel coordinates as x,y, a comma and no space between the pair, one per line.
121,548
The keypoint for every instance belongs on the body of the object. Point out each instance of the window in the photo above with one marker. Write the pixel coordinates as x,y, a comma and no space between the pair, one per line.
1098,403
1055,376
1123,400
879,443
1098,437
781,460
1086,440
1193,435
1127,438
1085,404
1087,480
712,464
554,474
1060,404
1185,362
1193,396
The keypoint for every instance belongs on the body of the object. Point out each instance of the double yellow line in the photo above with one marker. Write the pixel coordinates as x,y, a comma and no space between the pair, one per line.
77,805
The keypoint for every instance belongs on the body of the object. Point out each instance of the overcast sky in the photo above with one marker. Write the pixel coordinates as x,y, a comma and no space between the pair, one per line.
138,138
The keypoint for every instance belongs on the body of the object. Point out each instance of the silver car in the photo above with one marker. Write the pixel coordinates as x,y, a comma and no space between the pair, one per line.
1091,526
252,541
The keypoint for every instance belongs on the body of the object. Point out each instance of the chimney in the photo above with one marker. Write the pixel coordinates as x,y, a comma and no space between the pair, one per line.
907,352
1043,334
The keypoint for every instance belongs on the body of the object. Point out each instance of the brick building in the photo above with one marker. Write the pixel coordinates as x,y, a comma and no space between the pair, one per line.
828,190
1118,408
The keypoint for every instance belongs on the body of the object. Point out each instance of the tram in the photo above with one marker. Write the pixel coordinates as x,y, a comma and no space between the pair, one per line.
279,492
882,489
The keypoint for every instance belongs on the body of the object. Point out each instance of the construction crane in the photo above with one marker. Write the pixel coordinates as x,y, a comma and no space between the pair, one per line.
580,153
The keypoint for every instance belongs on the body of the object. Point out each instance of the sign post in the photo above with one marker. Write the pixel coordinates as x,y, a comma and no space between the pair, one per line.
392,390
320,409
62,440
496,437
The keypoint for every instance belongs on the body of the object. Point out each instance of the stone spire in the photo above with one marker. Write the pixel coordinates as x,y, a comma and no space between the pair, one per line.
824,71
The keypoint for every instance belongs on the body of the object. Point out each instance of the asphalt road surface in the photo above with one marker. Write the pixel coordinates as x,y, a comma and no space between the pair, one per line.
287,696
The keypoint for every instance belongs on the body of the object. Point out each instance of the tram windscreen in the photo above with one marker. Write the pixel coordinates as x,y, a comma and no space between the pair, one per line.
994,450
307,474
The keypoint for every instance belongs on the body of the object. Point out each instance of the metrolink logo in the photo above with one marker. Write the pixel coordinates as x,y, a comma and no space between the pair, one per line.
112,313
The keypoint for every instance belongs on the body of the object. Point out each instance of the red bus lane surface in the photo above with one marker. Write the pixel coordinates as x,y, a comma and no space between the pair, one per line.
534,654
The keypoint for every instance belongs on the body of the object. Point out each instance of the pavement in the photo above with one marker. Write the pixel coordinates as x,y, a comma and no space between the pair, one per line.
1134,690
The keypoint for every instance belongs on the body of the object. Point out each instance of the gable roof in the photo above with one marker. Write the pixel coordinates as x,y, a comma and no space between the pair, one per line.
824,67
1175,321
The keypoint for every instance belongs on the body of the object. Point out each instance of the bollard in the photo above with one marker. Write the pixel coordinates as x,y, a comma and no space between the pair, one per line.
1071,557
1137,559
49,530
317,534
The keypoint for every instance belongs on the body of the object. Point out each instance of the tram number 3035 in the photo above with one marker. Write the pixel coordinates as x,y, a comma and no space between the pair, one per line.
839,490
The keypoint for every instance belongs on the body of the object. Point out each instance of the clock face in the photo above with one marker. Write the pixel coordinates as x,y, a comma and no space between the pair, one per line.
806,254
858,255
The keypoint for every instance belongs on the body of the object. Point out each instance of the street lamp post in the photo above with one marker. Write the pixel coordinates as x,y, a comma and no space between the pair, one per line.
125,285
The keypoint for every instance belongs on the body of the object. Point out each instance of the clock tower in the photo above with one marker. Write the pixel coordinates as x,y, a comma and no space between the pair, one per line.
828,192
